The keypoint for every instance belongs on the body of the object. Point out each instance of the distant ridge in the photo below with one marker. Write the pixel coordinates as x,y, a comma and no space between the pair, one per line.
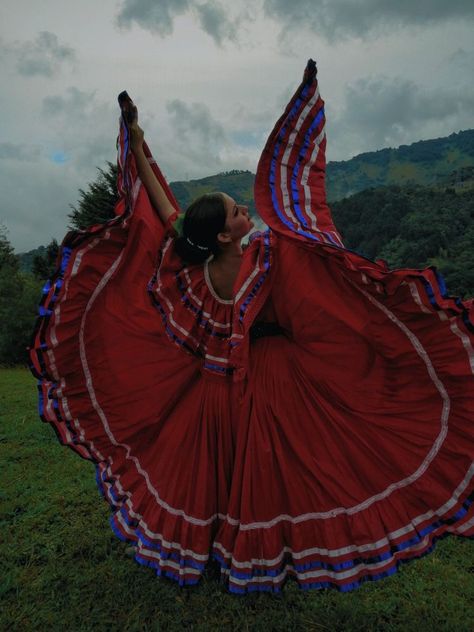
237,183
446,162
425,163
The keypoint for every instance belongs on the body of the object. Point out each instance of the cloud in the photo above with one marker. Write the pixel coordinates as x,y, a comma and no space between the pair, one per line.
196,144
346,18
153,16
75,103
198,136
212,17
34,204
461,61
382,111
213,20
20,152
83,129
43,56
39,182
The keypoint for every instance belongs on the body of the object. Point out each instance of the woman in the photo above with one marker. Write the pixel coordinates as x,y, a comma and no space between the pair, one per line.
299,406
132,354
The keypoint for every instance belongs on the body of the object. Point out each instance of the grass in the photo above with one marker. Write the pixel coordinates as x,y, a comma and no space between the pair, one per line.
63,569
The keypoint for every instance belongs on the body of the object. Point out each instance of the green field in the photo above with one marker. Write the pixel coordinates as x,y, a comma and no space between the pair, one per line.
63,569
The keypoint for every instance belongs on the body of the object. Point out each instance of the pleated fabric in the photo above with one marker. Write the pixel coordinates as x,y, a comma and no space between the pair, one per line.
355,446
124,391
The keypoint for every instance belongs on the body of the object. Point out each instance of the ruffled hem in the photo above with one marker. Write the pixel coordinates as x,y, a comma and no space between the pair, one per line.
346,572
174,560
289,571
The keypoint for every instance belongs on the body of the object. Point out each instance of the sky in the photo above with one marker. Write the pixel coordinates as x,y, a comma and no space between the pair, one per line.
210,78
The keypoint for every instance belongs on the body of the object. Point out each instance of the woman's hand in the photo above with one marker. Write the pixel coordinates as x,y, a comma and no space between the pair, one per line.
156,193
136,133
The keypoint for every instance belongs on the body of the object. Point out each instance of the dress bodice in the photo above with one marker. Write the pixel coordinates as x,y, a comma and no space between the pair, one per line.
197,319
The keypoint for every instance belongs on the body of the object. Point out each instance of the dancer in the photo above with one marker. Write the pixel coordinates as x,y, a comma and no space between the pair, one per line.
132,354
315,420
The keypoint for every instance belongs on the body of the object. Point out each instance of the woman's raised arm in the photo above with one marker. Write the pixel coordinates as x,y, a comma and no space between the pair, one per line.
154,189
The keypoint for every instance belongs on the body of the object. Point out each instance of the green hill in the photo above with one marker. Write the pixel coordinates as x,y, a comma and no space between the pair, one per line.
27,258
238,184
426,162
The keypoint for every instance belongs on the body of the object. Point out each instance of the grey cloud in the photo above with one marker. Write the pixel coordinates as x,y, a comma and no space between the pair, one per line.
159,17
75,103
43,56
463,59
197,143
214,22
346,18
383,111
35,208
19,152
151,15
84,129
96,152
194,125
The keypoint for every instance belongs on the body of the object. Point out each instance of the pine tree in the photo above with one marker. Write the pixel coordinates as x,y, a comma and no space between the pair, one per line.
8,258
45,264
19,296
96,205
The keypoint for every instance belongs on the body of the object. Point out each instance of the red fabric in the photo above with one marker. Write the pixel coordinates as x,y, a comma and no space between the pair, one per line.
355,446
331,452
118,392
367,400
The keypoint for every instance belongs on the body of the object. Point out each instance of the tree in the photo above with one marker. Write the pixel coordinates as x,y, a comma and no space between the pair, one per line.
19,296
7,255
413,227
97,204
44,265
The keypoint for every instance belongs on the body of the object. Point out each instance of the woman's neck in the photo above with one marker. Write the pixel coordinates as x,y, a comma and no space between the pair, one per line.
230,254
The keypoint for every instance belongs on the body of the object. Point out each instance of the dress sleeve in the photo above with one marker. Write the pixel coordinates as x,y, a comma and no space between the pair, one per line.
290,194
170,228
129,185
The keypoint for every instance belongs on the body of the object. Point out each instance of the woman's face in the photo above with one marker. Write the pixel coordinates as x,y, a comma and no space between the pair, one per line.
238,222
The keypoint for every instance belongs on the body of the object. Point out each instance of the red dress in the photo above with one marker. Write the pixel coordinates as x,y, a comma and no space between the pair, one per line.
130,357
331,451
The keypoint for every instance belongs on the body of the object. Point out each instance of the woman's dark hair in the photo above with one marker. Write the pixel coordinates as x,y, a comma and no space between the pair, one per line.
204,219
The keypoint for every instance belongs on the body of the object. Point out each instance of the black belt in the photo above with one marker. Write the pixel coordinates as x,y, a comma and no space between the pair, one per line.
261,330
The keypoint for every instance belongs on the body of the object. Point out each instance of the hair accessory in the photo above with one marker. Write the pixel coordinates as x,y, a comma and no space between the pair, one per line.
178,226
197,245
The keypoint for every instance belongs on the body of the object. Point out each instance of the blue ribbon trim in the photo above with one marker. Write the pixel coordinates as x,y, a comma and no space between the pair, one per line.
256,287
270,574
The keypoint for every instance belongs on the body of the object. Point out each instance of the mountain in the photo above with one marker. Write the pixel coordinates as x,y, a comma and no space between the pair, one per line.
427,162
238,184
27,258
